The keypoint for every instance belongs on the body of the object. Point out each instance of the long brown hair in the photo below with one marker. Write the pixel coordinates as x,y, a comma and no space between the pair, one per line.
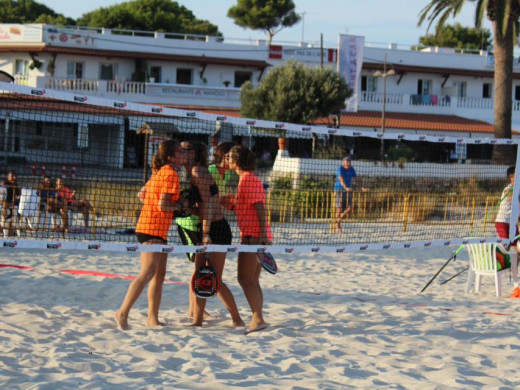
166,149
221,150
244,158
201,154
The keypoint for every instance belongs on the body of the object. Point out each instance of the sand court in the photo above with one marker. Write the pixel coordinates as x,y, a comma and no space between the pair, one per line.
336,321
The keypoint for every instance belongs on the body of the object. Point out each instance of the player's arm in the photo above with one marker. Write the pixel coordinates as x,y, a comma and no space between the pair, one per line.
260,211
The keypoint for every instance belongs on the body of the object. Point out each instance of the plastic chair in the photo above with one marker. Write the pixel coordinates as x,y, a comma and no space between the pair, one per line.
483,262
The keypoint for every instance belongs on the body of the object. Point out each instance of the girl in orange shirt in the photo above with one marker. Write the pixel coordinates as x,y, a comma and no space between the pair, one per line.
159,196
249,206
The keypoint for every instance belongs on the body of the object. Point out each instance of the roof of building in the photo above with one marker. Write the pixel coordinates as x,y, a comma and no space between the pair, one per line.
43,48
393,120
360,119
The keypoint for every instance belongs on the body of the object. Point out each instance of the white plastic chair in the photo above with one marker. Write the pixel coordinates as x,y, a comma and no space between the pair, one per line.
483,262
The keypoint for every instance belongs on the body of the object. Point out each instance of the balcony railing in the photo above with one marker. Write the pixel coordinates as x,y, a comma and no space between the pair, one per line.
72,84
126,87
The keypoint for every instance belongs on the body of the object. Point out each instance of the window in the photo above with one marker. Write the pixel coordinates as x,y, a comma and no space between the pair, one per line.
487,90
21,67
368,84
184,76
517,92
424,87
155,74
462,87
74,70
241,78
107,71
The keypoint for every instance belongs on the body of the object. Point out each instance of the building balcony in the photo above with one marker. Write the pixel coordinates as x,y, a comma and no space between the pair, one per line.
468,107
140,92
229,97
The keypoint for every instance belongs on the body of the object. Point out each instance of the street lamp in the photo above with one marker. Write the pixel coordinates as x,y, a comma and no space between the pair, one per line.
384,75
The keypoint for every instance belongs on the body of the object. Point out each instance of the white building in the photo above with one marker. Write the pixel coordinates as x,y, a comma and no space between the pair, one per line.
433,91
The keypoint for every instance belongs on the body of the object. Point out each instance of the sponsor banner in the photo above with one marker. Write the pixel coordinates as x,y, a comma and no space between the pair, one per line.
60,245
21,33
307,54
350,61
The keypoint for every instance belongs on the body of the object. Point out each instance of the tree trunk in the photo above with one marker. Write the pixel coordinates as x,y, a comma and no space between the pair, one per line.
503,87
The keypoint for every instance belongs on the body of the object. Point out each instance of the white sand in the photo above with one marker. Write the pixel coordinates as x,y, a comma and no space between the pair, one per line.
337,321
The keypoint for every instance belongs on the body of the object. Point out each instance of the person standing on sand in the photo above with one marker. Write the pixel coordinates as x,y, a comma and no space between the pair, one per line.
345,176
159,197
249,206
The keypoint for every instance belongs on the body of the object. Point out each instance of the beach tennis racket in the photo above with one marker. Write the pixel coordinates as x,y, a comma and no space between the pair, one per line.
267,261
205,282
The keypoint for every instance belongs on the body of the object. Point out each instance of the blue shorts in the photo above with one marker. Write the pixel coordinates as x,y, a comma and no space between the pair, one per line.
343,198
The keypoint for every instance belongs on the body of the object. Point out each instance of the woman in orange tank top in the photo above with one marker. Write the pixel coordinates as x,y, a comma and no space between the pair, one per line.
159,196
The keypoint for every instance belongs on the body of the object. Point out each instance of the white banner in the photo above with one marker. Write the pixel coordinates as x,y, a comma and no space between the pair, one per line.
350,61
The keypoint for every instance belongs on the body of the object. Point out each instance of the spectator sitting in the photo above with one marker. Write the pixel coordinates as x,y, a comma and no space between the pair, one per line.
67,201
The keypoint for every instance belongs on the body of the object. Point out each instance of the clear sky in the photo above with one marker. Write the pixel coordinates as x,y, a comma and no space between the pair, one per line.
379,21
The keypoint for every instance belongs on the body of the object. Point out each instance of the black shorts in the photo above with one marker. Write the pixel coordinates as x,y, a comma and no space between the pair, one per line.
220,232
144,238
190,237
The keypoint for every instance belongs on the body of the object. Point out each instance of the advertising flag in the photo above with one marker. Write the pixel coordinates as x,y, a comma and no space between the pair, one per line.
350,61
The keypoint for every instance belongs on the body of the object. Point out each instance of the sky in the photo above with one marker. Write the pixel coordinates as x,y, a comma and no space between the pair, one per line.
379,21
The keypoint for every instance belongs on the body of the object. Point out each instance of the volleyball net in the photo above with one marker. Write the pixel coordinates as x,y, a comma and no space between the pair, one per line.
410,190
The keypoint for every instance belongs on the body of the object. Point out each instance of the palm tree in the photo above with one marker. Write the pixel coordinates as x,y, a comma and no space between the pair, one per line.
504,15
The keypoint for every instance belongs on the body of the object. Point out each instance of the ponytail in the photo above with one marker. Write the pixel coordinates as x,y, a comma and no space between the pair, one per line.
166,149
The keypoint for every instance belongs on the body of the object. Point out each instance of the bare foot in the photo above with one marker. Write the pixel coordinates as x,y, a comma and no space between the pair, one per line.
256,327
155,323
238,324
121,322
196,324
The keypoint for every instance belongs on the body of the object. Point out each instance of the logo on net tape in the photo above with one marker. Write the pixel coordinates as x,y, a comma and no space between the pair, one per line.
422,138
10,244
315,249
332,131
261,249
363,248
477,141
465,242
441,139
386,246
306,128
191,114
157,110
447,243
357,134
400,136
201,250
222,118
119,105
133,248
56,245
168,249
289,250
429,243
509,141
493,141
80,99
407,244
279,126
460,140
38,92
94,247
482,240
232,249
250,123
340,250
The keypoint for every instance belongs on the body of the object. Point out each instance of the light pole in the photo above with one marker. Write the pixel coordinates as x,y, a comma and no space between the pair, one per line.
384,75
